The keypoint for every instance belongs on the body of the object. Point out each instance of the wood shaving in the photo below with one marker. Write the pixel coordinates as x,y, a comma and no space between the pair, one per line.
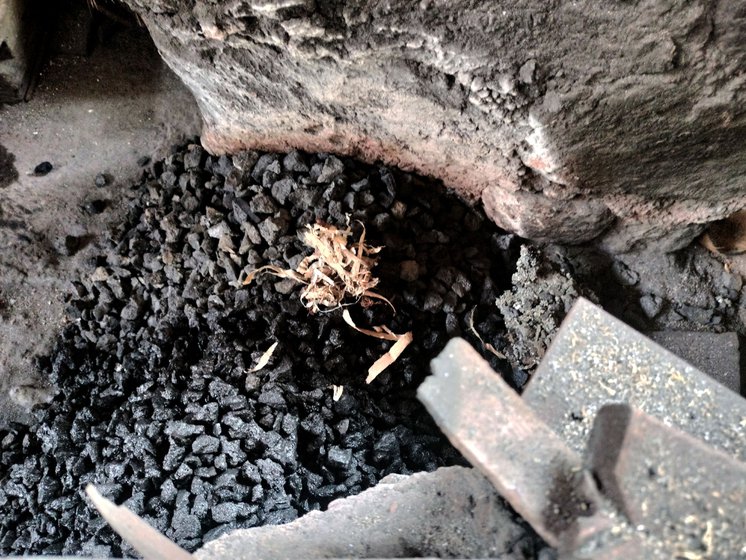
486,345
134,530
276,270
264,359
708,539
336,270
337,391
401,341
727,236
380,332
389,357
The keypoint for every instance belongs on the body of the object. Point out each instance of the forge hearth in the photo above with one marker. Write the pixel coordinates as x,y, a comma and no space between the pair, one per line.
134,357
158,406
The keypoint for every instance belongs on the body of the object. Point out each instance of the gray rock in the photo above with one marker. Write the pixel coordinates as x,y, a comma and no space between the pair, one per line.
193,158
272,228
295,161
282,188
185,525
696,314
284,452
272,395
183,472
332,168
252,233
219,230
261,166
182,430
651,305
225,512
241,210
386,449
173,457
223,166
285,286
433,302
245,160
339,458
168,491
205,444
263,204
207,412
271,472
362,185
233,452
571,150
200,507
526,72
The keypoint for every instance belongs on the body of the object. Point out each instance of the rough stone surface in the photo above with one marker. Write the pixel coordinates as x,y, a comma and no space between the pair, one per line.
541,296
690,290
559,130
21,33
452,511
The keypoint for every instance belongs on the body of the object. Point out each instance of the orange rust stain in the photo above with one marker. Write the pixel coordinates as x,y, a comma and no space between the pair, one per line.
429,157
540,164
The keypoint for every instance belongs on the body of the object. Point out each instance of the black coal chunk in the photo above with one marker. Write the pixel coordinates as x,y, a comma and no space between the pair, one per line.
159,404
43,168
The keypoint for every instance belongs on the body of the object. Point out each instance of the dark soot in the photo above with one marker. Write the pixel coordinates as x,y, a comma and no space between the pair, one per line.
156,406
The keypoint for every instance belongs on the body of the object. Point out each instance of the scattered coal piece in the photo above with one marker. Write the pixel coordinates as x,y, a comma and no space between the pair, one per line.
71,244
43,168
95,206
156,405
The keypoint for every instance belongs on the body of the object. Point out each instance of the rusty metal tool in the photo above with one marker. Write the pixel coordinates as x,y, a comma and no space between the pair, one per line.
692,496
595,359
529,465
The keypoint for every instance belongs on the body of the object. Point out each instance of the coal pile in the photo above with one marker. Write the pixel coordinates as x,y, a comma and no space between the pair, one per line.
156,403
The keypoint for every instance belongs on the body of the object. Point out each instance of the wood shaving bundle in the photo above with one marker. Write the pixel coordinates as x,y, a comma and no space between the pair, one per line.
335,271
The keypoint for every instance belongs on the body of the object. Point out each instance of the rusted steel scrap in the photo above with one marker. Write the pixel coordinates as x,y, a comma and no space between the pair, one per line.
617,448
